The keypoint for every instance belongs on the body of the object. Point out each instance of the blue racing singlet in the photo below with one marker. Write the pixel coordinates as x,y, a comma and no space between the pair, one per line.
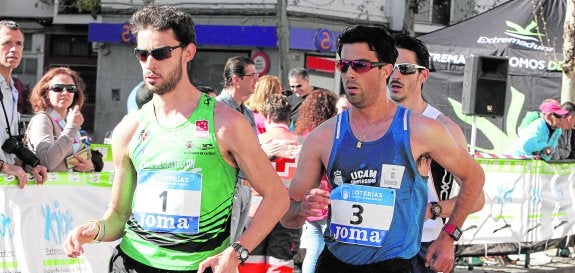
378,196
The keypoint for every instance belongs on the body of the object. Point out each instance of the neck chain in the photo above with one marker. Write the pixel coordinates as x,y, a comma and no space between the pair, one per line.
360,141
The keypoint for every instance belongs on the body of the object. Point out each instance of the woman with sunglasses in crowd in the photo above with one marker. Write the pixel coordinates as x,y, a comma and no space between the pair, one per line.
54,131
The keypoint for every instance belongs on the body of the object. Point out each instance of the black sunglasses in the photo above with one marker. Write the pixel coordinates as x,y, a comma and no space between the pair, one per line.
59,87
359,66
295,86
159,54
407,68
559,116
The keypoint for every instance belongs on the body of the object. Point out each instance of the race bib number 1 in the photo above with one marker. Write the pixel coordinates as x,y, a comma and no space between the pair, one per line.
361,215
168,201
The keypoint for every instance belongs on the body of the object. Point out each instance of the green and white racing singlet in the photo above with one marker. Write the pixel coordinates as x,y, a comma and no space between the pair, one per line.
183,199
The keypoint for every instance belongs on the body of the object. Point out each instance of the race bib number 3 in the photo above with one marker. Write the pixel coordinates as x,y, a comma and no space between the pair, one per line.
361,215
168,201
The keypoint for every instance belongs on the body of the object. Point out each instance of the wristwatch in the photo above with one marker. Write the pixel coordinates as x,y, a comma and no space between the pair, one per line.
243,253
436,210
452,230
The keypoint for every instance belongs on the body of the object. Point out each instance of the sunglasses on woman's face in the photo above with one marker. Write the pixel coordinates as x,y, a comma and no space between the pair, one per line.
407,68
359,66
159,54
59,87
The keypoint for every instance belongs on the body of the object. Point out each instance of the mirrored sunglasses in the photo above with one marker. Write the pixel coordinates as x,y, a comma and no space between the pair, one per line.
159,54
407,68
61,87
359,66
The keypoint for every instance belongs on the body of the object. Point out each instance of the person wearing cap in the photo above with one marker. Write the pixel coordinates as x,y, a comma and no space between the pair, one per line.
540,137
564,145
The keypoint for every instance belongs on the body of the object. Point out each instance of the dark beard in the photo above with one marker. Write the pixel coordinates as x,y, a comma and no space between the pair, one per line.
169,84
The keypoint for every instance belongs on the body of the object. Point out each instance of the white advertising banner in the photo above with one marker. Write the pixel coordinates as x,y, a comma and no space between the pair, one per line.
526,201
34,222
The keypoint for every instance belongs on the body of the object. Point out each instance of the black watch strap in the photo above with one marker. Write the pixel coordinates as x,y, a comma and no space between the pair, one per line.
436,210
243,252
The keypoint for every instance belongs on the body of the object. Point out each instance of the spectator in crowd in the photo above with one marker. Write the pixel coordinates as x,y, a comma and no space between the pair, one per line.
54,131
540,137
276,252
11,48
531,116
208,91
143,96
240,78
193,147
318,107
564,147
301,88
267,85
370,154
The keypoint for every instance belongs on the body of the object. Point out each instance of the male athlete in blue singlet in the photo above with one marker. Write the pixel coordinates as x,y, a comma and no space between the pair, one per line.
405,87
176,163
371,154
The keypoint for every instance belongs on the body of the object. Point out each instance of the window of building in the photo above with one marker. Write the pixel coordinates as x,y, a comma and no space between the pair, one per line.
207,67
71,46
434,12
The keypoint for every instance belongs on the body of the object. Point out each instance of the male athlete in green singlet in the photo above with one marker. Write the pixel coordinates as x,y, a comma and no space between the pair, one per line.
176,162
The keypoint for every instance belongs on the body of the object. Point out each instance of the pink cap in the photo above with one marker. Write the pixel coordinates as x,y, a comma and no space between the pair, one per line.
552,107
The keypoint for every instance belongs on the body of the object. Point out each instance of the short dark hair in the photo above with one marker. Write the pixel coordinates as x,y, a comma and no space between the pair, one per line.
277,108
206,89
235,66
410,43
569,106
377,38
162,18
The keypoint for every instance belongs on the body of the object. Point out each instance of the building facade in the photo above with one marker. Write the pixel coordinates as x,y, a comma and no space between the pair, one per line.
92,37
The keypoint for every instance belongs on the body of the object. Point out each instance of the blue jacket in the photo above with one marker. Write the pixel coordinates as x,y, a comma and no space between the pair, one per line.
536,137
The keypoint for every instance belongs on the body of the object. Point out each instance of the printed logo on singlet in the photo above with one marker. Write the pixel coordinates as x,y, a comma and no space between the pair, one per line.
337,177
361,214
391,176
366,177
202,129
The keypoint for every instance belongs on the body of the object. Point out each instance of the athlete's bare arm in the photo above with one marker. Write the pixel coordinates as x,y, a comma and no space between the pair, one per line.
111,227
448,205
120,207
240,147
432,137
312,161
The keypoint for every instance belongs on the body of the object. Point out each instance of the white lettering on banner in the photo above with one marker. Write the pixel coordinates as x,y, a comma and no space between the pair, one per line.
447,58
527,63
506,40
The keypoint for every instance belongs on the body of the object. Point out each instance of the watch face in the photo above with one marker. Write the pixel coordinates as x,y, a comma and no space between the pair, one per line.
456,234
243,255
436,209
